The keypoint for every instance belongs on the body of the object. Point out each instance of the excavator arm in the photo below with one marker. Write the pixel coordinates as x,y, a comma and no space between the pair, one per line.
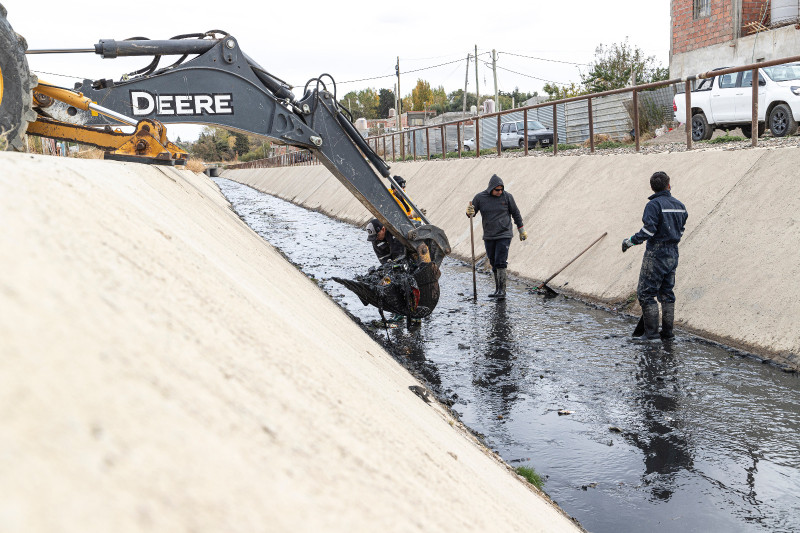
222,86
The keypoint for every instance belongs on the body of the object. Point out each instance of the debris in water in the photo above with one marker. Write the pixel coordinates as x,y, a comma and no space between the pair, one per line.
405,287
562,412
421,392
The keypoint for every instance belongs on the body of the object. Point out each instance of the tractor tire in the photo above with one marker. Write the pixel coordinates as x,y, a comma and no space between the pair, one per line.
781,121
16,96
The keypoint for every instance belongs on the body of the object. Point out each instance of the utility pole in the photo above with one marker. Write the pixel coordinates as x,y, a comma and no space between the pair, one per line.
399,98
494,70
466,78
396,116
477,83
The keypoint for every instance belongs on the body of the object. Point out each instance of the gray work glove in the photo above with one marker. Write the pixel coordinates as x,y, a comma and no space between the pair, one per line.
522,234
470,210
627,243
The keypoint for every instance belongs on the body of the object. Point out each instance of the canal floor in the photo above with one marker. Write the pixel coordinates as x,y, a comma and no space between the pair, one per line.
676,436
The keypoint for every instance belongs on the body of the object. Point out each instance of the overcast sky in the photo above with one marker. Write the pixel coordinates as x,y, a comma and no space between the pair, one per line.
356,39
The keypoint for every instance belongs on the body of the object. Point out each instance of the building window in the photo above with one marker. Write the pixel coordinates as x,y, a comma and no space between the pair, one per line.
702,8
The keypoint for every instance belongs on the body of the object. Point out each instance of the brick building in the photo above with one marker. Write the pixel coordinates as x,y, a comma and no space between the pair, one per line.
707,34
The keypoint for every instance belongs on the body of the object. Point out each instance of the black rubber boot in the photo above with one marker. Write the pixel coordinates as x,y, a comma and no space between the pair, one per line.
650,315
496,286
667,319
501,283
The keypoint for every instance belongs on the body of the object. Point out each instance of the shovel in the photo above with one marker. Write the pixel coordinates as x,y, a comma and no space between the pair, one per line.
550,293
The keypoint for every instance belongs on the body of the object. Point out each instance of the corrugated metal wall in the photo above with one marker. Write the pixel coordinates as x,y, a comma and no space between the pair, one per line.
611,117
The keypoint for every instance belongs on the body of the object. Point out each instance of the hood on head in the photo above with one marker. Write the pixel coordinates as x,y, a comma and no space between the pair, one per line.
495,181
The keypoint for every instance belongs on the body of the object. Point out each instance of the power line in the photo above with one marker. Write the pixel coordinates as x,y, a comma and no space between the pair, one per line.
534,77
545,59
404,72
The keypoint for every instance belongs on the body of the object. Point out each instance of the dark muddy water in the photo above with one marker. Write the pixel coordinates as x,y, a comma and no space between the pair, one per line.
683,436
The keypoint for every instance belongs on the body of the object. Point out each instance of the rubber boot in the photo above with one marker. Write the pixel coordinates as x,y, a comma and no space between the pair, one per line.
650,315
667,319
496,286
501,283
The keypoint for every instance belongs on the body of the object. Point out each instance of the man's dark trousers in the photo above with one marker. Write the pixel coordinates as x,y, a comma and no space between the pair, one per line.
497,252
657,276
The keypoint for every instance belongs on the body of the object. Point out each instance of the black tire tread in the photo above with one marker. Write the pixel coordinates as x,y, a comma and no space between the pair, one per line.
16,108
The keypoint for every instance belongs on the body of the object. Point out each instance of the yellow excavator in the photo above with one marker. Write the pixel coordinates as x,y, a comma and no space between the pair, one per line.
214,82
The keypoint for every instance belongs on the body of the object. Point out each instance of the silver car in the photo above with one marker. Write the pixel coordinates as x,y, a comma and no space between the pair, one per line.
469,144
512,134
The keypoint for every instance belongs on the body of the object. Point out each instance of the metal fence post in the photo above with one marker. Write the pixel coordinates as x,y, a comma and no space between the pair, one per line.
458,139
499,142
444,144
555,129
636,117
427,143
754,132
477,137
688,106
591,126
525,126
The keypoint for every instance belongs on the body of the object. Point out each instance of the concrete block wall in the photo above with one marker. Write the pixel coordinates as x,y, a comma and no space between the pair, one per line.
738,280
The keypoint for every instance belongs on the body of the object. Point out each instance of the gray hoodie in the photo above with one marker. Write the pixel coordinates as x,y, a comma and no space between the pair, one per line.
496,211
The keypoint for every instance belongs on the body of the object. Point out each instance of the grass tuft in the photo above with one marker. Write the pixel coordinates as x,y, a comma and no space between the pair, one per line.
530,474
725,139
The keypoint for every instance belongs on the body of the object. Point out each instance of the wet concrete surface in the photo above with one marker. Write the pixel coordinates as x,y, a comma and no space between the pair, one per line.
676,436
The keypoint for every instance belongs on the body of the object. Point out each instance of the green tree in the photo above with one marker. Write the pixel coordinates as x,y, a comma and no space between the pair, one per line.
385,103
241,144
613,66
440,102
368,100
556,92
456,99
422,95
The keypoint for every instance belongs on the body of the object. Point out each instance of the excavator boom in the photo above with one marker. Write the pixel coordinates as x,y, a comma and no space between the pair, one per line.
222,86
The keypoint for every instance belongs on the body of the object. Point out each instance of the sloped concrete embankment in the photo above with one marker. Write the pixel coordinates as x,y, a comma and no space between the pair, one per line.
163,368
739,276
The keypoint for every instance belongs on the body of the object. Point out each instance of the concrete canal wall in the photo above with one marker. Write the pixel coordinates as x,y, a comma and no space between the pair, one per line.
162,368
739,274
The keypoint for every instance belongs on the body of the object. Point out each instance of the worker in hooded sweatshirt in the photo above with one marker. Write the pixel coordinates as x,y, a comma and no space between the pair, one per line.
497,208
663,222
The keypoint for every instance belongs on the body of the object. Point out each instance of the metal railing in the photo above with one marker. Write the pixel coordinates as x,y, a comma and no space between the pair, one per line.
289,159
381,143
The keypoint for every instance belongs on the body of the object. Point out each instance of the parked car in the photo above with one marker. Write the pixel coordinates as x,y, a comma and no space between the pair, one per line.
469,144
512,134
726,102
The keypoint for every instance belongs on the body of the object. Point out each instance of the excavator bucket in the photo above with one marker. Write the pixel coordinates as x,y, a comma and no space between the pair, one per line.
405,288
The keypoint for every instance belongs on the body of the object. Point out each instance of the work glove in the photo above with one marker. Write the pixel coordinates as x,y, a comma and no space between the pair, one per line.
627,243
424,211
470,210
522,234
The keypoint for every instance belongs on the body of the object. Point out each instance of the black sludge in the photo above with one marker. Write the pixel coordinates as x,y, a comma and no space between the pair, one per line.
406,288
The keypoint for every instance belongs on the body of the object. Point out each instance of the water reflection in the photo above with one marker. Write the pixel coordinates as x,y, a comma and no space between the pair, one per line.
666,450
494,372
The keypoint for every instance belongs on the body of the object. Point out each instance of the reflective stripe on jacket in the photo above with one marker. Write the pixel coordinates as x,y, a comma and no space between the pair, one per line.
664,220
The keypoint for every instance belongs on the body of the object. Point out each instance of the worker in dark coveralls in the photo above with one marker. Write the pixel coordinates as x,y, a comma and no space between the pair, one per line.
386,246
497,208
663,222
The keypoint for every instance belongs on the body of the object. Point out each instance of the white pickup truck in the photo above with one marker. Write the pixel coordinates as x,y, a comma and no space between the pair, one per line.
726,102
